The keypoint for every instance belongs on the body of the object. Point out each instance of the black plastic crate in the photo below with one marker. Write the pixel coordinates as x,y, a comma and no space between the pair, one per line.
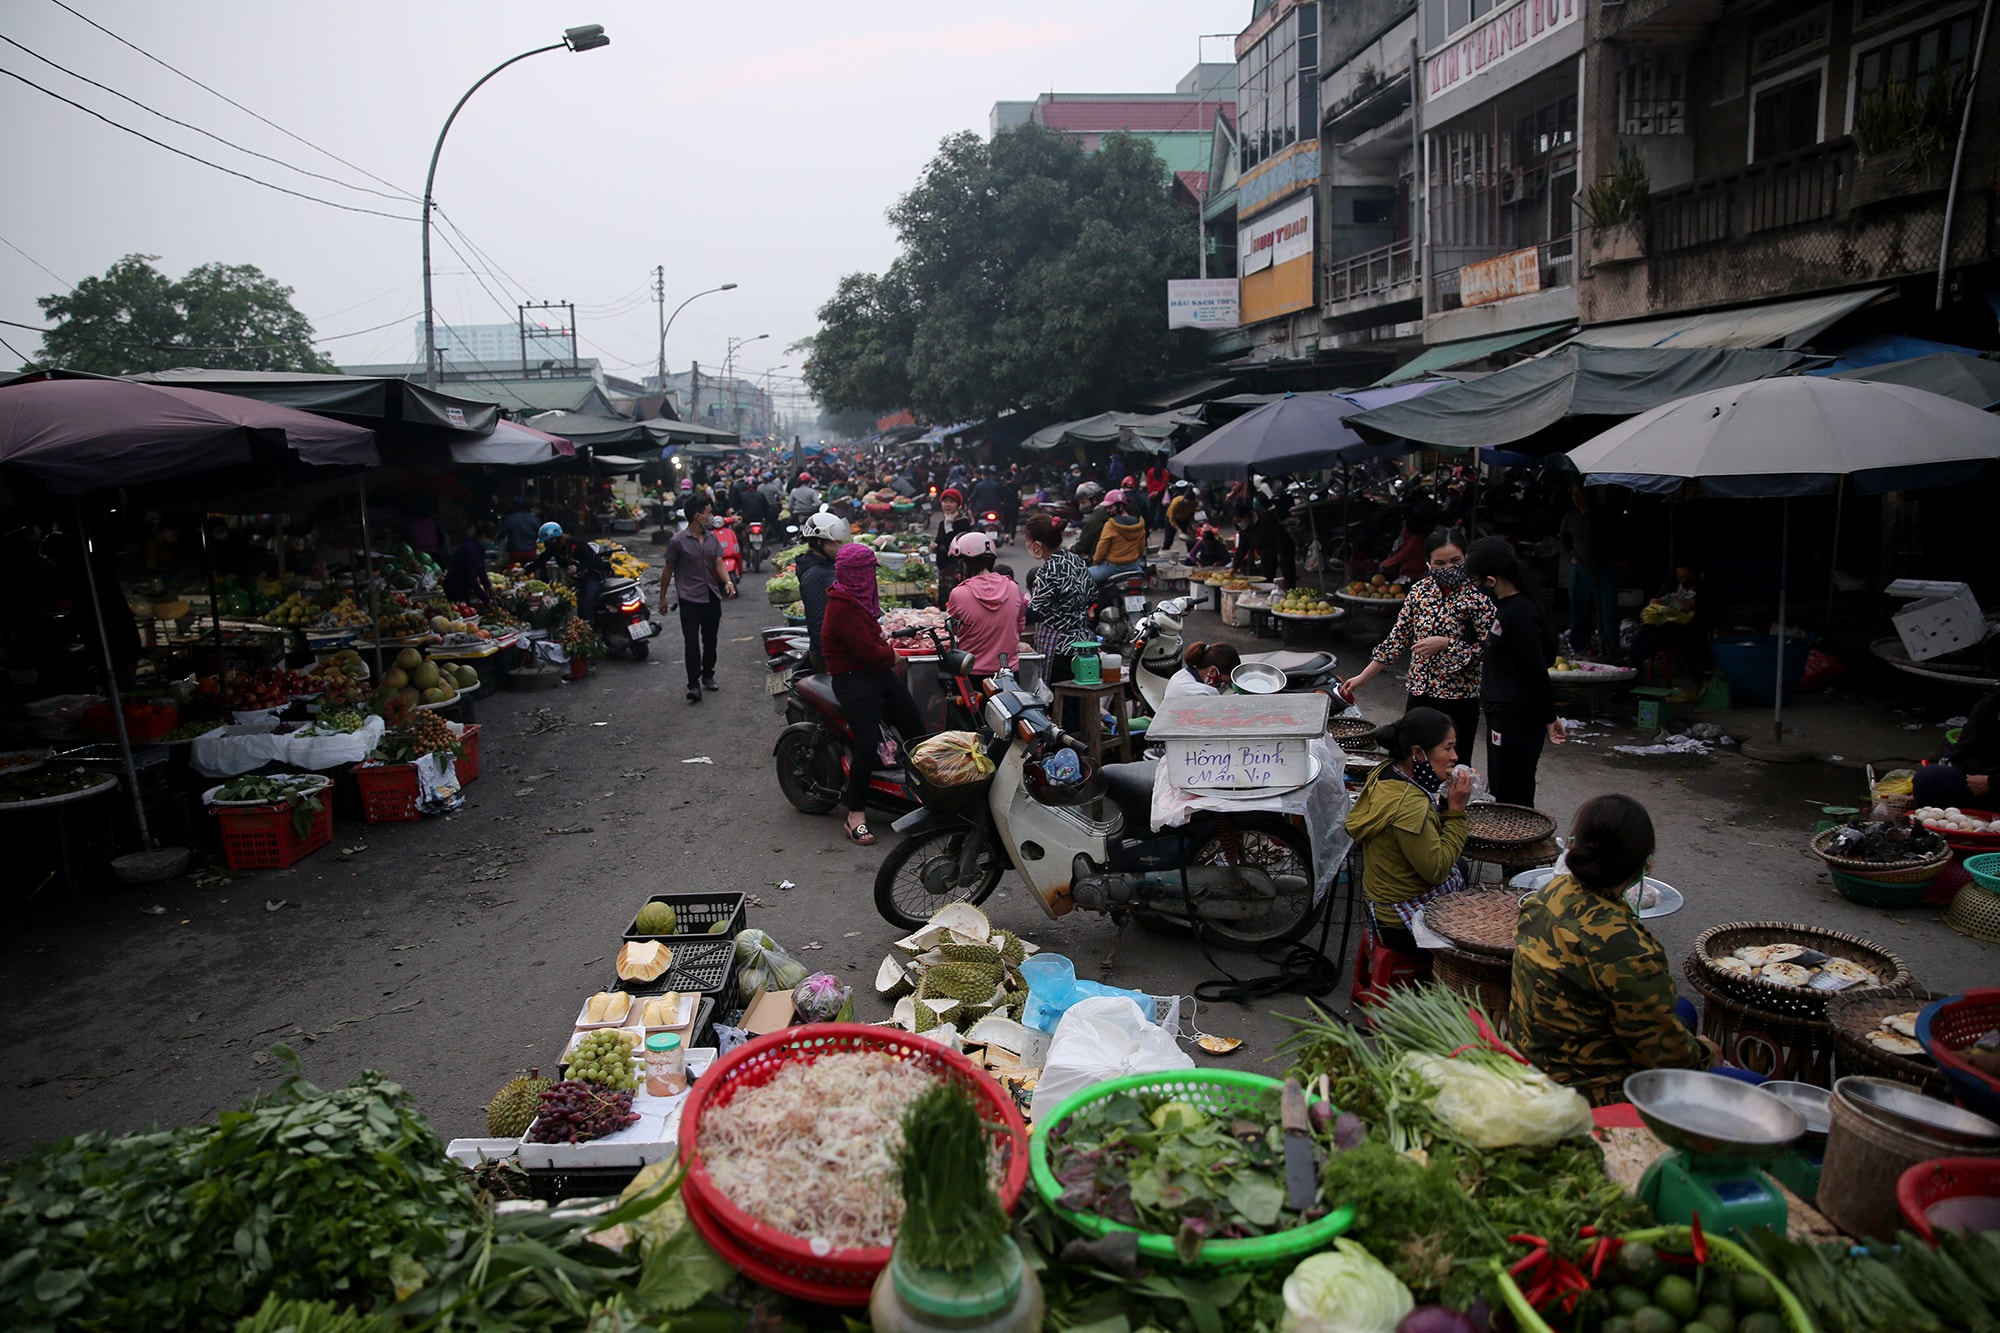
701,964
697,910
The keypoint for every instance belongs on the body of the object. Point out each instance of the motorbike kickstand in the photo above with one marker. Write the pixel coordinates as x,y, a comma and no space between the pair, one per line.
1119,919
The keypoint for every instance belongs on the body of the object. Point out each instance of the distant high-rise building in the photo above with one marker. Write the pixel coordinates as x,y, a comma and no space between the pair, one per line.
495,343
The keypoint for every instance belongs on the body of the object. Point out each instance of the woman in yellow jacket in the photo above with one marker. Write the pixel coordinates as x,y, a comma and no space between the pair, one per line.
1409,822
1121,544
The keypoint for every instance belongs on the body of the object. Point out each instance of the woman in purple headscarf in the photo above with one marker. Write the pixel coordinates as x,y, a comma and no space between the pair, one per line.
864,680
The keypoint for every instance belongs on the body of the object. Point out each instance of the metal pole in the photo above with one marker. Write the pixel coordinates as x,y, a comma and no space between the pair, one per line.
660,308
430,179
214,592
368,566
111,680
1958,153
1784,556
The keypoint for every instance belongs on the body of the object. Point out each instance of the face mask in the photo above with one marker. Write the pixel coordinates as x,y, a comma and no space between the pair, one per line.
1426,776
1450,577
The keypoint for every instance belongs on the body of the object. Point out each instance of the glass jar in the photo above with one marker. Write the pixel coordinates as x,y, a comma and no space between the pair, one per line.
1000,1295
666,1065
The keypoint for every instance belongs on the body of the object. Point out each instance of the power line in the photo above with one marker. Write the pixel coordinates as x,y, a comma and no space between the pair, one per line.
182,152
15,350
496,380
37,263
185,347
514,314
83,78
233,102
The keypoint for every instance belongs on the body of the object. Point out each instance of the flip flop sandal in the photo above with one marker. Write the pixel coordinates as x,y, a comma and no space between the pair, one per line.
859,834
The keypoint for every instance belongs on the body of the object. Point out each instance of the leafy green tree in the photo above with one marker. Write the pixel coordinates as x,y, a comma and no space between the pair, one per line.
135,318
1032,276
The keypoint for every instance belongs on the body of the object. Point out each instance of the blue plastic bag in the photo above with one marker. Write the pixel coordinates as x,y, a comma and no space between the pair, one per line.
1053,987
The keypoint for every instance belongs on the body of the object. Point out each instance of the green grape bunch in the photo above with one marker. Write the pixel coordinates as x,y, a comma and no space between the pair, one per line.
604,1057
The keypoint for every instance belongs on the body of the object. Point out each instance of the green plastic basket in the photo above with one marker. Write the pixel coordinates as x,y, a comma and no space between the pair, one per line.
1985,870
1875,893
1216,1092
1722,1253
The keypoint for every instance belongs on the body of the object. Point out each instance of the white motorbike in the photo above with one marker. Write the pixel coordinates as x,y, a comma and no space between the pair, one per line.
1156,656
1248,878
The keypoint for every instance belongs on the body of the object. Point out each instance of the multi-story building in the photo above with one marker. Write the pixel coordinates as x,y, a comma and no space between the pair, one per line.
1278,178
468,346
1177,124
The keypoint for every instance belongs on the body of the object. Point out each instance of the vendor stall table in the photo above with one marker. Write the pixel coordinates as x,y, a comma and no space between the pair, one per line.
1591,686
1094,701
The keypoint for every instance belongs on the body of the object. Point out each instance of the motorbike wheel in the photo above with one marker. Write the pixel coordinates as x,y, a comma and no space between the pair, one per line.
920,875
1276,847
639,649
808,774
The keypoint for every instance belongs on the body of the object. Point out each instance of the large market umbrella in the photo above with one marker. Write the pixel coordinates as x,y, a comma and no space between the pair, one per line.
1298,432
1795,435
512,445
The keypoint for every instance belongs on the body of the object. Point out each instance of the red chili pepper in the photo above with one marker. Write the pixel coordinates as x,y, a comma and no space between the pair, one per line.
1700,1241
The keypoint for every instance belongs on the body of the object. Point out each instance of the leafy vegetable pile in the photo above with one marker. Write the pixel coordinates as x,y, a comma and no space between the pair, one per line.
282,789
41,784
1911,1286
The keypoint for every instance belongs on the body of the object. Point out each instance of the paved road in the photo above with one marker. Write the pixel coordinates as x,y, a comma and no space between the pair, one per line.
454,952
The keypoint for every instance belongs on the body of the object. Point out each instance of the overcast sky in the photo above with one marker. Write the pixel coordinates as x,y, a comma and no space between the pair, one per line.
755,144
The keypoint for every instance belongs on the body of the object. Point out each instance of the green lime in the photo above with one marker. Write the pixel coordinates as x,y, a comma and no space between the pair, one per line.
1697,1327
1652,1319
1753,1291
1618,1323
1761,1321
1628,1300
1719,1316
1639,1263
1676,1295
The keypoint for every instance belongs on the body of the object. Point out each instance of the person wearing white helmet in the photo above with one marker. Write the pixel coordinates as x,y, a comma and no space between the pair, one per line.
824,535
988,610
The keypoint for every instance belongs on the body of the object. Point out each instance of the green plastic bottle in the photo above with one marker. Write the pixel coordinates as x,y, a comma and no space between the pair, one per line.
999,1295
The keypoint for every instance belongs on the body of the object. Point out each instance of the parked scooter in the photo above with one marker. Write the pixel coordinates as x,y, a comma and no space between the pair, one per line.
753,545
1115,605
1248,878
1156,656
621,618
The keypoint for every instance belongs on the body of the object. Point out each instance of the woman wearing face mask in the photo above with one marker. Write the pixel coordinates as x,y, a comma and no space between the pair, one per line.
1593,998
1443,627
1409,822
1514,686
1205,669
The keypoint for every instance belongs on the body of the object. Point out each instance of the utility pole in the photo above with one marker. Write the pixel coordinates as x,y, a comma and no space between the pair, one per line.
694,391
660,300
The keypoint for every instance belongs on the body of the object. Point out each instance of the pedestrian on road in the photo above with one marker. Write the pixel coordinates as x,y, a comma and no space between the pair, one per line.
1180,517
804,498
988,610
864,678
953,521
519,528
1514,688
1059,596
1585,538
694,568
1442,626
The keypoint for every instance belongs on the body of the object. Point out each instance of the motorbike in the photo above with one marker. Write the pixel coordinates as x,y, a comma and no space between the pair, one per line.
754,543
1247,878
816,750
1114,605
732,552
1156,656
621,619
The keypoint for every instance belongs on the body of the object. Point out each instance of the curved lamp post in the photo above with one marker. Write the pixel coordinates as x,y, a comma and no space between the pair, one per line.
587,38
669,324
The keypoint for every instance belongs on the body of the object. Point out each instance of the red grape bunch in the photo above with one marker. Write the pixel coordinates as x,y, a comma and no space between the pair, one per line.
577,1112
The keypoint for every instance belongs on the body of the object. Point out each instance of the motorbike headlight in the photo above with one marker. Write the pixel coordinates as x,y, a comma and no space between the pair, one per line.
998,717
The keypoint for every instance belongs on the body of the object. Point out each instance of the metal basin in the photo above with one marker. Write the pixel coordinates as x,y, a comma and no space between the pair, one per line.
1813,1102
1716,1117
1910,1110
1257,678
1668,898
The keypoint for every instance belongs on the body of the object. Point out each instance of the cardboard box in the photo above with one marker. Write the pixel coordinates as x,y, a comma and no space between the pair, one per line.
768,1012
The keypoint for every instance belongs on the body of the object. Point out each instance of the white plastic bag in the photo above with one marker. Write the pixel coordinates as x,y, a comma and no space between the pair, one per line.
1101,1038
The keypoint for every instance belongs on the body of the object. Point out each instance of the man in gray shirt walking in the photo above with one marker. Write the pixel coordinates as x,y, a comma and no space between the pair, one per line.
695,572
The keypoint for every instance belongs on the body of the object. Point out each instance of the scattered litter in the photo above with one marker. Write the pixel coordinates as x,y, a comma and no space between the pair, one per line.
1835,758
273,904
783,886
152,911
600,724
1913,726
850,934
1953,722
811,944
573,828
1672,745
698,759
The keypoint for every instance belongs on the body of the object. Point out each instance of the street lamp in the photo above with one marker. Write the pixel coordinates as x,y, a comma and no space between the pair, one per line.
587,38
729,371
668,323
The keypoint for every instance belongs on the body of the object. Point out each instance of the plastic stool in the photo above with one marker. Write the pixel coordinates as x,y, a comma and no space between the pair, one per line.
1377,967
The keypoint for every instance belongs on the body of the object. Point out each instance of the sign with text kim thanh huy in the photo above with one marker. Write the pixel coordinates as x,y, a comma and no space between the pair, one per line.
1201,303
1506,34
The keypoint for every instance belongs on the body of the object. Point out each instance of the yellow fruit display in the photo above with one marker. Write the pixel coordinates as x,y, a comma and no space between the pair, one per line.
644,960
297,609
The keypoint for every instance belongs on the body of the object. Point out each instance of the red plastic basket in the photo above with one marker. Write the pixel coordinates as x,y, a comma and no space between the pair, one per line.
467,767
1948,1026
143,722
785,1262
261,837
389,792
579,667
1927,1184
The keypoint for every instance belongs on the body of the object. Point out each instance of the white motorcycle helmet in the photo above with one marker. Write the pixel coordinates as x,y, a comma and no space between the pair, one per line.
827,528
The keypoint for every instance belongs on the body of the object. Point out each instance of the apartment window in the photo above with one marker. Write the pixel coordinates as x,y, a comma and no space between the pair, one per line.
1918,57
1277,101
1499,190
1785,116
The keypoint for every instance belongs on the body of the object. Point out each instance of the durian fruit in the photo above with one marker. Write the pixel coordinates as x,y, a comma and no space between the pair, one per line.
513,1108
924,1017
892,980
656,918
662,1011
943,1010
968,983
646,960
969,953
607,1007
1009,944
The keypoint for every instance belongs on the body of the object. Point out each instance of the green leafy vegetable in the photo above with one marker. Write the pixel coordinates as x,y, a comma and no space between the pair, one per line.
1345,1290
283,789
950,1218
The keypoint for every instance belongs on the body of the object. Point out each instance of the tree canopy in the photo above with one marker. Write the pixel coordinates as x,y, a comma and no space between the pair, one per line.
135,318
1032,275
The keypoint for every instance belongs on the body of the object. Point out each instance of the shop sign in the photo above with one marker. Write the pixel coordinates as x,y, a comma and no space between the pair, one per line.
1501,37
1500,277
1201,303
1282,234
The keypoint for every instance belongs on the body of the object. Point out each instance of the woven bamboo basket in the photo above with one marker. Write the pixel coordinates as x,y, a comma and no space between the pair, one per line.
1855,866
1778,1046
1794,1002
1485,979
1852,1015
1975,912
1477,920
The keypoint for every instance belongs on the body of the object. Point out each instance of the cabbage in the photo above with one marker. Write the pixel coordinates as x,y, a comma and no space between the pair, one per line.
1491,1109
1345,1290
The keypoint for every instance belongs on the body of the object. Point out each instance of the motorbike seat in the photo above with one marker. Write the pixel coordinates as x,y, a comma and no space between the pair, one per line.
817,690
616,585
1130,785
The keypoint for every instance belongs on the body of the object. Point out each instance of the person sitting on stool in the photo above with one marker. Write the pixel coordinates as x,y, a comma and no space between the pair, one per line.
1410,824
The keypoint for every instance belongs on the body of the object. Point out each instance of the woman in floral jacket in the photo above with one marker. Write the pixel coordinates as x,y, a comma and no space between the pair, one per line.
1443,627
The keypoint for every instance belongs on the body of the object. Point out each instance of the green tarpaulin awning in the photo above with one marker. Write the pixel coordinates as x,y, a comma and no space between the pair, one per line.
1446,355
1590,386
1148,434
1777,323
379,402
1969,379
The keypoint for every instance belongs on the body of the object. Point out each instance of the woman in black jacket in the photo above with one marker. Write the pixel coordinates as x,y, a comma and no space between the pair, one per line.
1514,689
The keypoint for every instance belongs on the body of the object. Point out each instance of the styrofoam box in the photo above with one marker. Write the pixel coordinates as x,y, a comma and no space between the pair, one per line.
1940,625
652,1139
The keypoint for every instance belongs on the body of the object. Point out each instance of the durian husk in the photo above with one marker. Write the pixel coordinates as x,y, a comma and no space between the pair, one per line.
644,960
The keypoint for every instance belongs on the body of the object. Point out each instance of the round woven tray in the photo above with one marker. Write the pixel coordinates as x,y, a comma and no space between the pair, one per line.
1852,1015
1794,1002
1477,920
1497,824
1975,912
1345,729
1825,836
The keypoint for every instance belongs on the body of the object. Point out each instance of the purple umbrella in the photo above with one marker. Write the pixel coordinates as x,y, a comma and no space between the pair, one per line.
80,435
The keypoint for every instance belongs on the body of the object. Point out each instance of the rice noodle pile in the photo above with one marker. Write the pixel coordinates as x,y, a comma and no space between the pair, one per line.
812,1152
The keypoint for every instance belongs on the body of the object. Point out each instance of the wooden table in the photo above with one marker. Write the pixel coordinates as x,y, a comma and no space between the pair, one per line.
1094,701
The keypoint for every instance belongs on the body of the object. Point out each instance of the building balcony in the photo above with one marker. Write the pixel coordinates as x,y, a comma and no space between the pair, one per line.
1368,281
1787,191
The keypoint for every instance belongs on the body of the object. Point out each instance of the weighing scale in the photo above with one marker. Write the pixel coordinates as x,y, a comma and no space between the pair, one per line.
1797,1167
1718,1130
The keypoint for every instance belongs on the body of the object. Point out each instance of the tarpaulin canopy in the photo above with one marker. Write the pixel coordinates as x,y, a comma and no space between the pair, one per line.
586,429
1783,323
1877,349
1578,385
1180,395
512,445
1467,350
88,434
1301,432
666,428
1146,433
1967,379
376,401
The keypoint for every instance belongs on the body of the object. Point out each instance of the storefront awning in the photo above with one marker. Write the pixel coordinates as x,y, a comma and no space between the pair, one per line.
1780,324
1446,355
1146,433
1180,395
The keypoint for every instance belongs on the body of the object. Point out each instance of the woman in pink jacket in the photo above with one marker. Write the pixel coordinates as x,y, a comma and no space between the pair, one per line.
989,612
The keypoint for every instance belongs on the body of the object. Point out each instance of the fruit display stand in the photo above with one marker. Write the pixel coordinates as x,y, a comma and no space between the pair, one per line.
68,840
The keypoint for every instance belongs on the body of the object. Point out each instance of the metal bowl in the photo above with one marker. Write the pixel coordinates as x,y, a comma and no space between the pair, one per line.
1910,1110
1257,678
1668,898
1713,1116
1809,1100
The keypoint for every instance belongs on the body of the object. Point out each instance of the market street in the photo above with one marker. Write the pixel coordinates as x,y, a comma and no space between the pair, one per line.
451,953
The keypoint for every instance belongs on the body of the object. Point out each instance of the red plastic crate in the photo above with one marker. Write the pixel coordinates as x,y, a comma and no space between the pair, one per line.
389,792
261,837
143,722
579,667
467,768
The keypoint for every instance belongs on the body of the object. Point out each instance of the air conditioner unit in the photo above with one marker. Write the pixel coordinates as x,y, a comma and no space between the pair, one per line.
1513,188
